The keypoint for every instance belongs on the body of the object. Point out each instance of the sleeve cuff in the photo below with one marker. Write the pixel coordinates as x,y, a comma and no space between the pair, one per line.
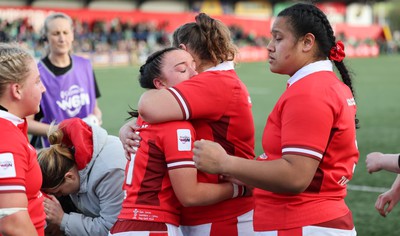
64,221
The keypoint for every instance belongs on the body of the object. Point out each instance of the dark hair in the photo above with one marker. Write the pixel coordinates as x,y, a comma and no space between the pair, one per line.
208,38
306,18
150,70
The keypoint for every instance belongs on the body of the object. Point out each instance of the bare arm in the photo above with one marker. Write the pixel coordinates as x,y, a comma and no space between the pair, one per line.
97,112
190,192
388,200
377,161
18,223
36,127
159,105
289,174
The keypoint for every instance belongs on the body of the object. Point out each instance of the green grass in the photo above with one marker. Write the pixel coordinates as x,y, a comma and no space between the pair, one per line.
377,86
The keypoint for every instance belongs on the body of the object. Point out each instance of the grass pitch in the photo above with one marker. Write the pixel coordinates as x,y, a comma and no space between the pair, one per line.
377,86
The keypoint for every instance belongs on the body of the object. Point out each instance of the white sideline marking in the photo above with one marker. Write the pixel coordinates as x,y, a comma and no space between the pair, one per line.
364,188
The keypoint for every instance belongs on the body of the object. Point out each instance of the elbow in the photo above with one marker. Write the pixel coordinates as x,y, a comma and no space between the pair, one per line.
189,201
297,186
146,116
145,111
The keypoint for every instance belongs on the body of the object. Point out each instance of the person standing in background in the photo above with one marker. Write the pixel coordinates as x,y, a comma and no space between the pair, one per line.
69,79
21,202
309,140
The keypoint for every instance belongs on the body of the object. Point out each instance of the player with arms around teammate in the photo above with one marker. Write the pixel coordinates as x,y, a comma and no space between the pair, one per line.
218,105
162,177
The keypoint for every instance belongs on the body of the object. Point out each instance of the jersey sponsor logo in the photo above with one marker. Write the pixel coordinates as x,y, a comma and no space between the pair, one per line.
351,102
262,156
146,215
73,100
184,140
7,165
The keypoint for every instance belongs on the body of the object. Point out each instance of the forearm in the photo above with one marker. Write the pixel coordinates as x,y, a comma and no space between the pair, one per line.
280,176
203,194
17,224
37,128
156,106
80,224
390,162
97,112
396,184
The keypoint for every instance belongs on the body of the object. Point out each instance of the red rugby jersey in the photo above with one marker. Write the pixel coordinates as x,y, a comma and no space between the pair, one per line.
314,117
20,171
219,106
148,189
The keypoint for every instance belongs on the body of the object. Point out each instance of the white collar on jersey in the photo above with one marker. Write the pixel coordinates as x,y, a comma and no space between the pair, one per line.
10,117
226,65
325,65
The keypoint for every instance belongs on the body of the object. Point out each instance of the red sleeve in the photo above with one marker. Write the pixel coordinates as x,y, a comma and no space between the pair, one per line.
14,165
307,121
206,95
178,144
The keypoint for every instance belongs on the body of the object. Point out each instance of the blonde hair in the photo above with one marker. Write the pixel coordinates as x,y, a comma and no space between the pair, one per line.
56,160
14,66
52,17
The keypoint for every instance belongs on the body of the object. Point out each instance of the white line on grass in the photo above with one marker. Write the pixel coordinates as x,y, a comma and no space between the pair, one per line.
364,188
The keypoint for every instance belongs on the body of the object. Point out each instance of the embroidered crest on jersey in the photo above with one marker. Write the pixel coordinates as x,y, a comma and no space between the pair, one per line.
184,139
7,165
263,156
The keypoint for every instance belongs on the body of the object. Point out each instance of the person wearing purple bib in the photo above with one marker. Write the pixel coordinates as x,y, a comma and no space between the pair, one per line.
69,79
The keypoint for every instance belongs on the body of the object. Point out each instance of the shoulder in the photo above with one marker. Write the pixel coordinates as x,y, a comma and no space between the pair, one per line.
111,155
210,81
80,59
9,132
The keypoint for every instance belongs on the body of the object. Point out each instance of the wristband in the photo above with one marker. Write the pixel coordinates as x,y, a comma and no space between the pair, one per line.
398,161
244,191
238,190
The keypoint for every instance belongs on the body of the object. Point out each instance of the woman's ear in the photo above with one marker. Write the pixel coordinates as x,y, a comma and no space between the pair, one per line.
308,42
70,175
16,90
159,84
182,46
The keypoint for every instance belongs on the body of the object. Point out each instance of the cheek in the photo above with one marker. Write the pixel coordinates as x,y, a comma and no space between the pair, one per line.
287,56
